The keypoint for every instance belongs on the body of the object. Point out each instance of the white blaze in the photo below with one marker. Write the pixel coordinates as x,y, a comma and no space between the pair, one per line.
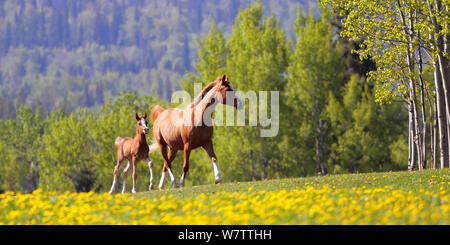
143,123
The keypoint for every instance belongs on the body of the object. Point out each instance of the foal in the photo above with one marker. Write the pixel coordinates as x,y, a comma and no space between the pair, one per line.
134,150
190,128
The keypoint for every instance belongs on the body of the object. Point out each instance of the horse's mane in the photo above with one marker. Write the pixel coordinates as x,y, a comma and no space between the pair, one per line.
204,92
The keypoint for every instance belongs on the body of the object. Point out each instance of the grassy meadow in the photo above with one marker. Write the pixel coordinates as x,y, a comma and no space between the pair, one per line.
375,198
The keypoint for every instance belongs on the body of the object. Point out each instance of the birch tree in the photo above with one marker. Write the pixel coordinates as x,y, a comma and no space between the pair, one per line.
402,37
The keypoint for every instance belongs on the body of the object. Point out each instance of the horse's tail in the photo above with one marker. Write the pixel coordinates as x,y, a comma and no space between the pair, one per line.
156,111
119,142
153,147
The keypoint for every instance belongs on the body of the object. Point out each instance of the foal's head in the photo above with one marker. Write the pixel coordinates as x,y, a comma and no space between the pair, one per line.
228,95
141,124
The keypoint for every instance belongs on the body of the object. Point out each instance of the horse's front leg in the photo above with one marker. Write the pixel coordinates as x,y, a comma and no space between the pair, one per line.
168,157
116,175
210,150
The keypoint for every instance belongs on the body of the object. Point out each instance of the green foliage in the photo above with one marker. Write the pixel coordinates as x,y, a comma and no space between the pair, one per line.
315,70
20,140
364,131
57,150
383,26
67,153
61,54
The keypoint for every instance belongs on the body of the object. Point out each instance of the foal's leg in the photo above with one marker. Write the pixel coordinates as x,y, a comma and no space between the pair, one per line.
210,150
116,174
150,166
187,152
134,162
125,175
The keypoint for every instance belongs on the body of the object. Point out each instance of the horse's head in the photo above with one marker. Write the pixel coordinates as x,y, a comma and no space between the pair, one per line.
141,124
228,93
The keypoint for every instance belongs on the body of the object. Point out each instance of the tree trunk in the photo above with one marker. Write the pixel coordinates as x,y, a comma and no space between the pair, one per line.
433,119
410,147
435,127
319,149
409,31
319,131
424,118
416,135
441,119
442,69
412,132
446,85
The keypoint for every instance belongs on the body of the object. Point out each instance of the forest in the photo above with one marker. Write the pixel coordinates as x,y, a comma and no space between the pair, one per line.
74,73
66,54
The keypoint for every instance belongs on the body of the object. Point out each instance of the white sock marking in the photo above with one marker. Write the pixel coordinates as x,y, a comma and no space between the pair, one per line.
125,174
161,182
182,180
150,166
112,187
216,170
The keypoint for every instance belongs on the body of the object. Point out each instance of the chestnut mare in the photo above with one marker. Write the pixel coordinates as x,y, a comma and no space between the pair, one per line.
134,150
191,128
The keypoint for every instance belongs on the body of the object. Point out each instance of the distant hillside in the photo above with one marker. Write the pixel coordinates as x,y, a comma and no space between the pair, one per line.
76,53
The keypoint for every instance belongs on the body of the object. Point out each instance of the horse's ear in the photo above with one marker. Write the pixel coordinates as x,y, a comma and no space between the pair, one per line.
137,117
224,78
145,115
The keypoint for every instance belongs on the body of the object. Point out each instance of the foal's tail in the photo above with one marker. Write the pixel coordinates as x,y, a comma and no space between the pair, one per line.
119,140
156,111
153,147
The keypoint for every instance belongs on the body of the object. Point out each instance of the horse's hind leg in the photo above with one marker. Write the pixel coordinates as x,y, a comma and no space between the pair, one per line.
125,175
163,174
187,152
172,155
116,175
168,158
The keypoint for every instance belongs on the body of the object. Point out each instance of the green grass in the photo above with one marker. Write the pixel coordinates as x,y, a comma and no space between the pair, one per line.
373,198
428,180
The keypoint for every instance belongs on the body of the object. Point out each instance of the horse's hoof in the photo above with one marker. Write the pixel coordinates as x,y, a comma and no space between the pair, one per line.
218,182
174,184
150,187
